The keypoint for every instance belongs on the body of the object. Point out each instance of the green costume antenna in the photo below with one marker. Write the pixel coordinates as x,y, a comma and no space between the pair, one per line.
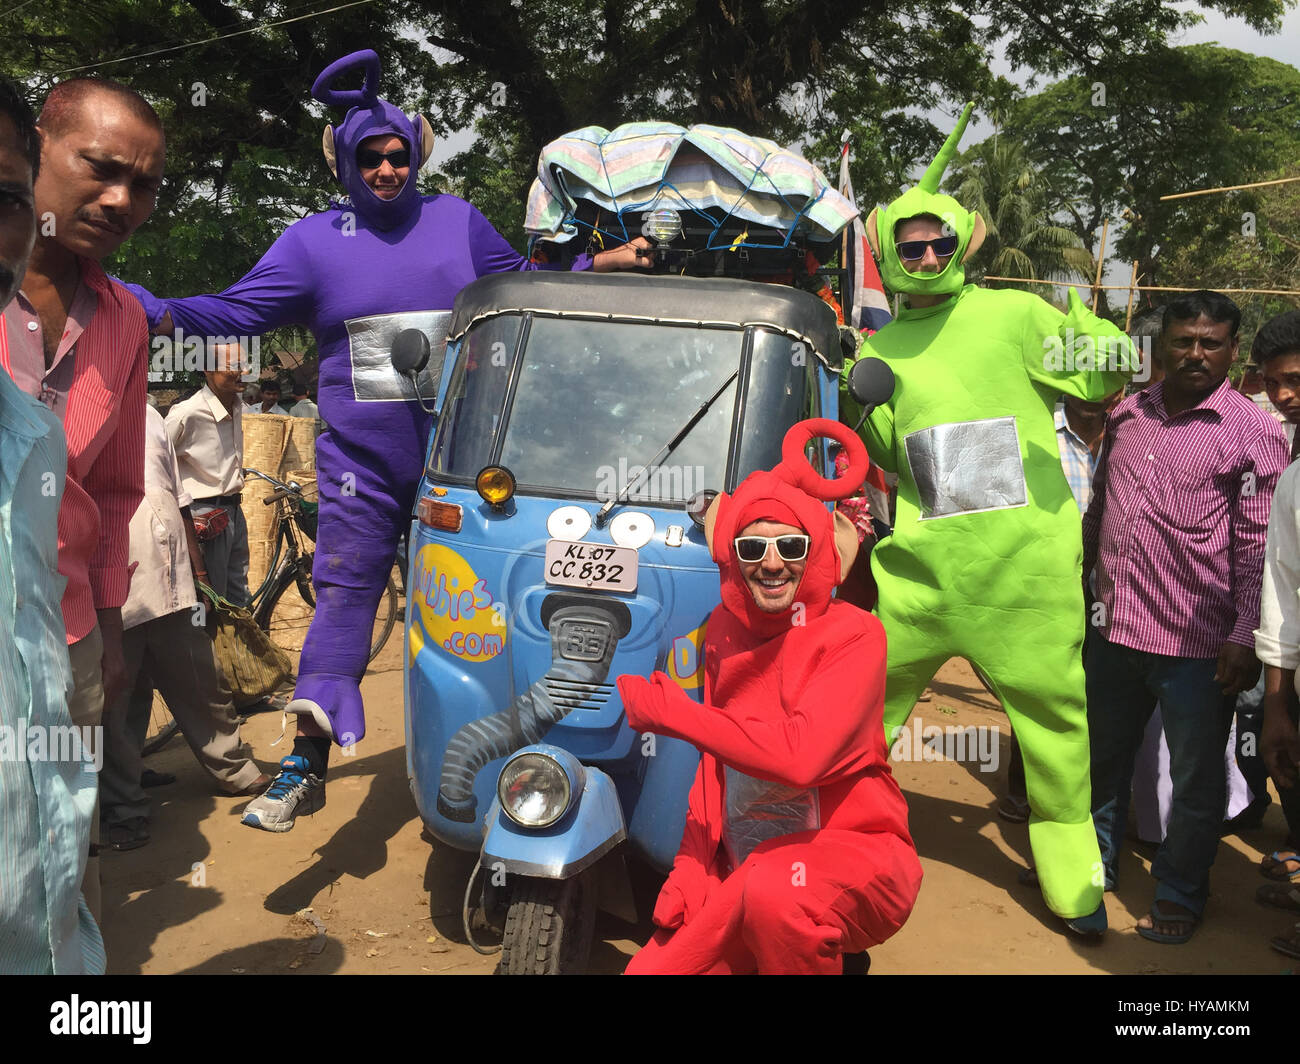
925,198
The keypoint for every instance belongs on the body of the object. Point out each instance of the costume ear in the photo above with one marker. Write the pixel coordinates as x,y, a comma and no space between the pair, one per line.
426,141
873,236
976,237
327,146
846,544
711,520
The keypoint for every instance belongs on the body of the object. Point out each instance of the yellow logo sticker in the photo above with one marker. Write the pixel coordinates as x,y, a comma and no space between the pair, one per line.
686,660
455,606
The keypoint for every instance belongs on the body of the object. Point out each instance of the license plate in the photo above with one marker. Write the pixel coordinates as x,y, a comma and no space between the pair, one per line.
590,565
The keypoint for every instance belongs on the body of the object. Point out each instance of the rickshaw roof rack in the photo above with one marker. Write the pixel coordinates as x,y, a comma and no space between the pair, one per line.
702,302
641,166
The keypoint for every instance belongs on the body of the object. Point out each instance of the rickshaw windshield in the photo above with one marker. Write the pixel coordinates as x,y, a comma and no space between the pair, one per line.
596,400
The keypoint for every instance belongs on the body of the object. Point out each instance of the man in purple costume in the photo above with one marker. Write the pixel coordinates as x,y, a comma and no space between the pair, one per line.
384,260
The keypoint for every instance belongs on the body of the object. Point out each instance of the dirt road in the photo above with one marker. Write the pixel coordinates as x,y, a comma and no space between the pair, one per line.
209,895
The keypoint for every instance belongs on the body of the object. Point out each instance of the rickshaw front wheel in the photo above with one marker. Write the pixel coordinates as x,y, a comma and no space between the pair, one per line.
550,925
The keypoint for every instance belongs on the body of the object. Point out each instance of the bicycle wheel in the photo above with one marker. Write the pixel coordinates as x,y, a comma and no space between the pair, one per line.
385,618
162,727
286,618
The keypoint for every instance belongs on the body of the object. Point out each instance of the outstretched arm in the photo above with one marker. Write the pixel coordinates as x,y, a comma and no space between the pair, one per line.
1077,353
277,291
828,732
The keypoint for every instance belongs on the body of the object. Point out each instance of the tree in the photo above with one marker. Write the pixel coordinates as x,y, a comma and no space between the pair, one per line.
231,80
1171,121
1262,251
997,179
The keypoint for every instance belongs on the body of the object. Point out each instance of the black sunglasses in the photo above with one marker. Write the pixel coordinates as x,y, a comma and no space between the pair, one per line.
369,159
915,249
791,548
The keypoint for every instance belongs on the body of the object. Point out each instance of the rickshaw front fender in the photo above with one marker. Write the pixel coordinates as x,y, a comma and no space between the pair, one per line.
591,827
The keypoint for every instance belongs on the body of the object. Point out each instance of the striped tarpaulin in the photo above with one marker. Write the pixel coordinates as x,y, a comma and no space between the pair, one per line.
644,165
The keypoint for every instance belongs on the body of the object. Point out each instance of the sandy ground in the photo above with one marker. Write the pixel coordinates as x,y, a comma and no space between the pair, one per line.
209,895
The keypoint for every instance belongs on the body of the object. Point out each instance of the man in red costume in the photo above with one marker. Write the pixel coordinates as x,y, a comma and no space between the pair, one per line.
796,847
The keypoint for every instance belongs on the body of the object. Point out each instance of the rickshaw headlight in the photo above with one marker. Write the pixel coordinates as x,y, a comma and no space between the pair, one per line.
534,790
495,484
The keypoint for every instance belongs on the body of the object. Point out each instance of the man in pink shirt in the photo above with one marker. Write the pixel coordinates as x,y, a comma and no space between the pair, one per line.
78,342
1176,528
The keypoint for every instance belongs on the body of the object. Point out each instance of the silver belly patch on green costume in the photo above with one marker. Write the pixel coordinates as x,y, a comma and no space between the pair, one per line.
967,467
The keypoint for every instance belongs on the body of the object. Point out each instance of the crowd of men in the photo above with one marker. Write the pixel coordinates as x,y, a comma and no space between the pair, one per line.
1190,546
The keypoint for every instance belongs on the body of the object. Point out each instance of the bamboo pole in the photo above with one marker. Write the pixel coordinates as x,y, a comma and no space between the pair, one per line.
1101,262
1229,188
1132,281
1148,288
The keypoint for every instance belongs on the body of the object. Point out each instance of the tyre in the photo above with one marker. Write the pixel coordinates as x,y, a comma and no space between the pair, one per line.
286,619
385,618
162,727
549,927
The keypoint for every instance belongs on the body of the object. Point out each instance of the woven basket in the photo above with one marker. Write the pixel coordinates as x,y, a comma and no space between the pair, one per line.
264,436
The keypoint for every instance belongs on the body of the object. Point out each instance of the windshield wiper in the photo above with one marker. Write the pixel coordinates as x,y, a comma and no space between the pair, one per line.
667,448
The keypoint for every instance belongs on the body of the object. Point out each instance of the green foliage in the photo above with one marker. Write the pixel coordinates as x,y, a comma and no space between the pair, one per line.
244,138
1171,121
1261,251
997,179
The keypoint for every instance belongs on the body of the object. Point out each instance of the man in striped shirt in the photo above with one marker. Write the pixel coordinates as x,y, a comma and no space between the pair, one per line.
78,342
1176,529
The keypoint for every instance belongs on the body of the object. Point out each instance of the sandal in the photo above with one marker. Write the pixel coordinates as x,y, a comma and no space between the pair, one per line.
1288,945
1175,938
1279,896
1274,866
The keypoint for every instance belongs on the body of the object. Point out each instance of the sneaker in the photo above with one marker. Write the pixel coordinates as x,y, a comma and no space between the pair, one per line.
294,791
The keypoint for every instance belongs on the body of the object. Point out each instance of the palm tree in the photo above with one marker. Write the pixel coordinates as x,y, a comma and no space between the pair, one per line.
997,179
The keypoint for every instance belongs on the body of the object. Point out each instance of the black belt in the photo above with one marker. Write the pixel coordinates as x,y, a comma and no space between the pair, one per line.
222,500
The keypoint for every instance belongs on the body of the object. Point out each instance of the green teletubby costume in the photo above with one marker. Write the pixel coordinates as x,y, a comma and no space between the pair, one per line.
984,560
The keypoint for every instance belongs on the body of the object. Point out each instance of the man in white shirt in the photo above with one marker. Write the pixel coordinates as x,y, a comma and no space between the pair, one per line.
166,646
302,406
206,431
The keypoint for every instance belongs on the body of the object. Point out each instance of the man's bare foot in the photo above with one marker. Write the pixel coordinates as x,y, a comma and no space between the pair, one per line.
1168,922
1280,866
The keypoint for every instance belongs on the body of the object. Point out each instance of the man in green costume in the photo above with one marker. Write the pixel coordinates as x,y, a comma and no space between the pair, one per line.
984,560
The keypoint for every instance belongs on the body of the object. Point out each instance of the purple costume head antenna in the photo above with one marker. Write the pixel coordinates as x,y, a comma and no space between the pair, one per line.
369,117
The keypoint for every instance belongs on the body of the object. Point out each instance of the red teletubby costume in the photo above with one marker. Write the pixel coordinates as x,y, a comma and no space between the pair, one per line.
796,848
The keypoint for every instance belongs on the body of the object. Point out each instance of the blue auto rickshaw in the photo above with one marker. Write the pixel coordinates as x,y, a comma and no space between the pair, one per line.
584,423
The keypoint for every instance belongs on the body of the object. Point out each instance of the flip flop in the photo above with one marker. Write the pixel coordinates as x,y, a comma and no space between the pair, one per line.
1289,946
1152,935
1279,896
1274,866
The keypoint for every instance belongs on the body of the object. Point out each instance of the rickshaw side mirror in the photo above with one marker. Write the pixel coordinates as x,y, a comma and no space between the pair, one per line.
410,352
871,382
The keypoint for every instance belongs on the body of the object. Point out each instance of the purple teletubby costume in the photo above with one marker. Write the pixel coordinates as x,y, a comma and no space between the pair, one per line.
357,275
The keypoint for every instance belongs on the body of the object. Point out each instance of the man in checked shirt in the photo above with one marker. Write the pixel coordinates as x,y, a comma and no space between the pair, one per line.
1176,529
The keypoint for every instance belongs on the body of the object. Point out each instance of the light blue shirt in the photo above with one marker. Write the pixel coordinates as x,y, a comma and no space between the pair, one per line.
45,804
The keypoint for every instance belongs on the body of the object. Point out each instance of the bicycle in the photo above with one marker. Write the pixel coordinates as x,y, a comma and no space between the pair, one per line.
290,566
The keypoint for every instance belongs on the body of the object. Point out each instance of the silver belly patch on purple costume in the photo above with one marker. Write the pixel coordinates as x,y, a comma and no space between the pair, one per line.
370,345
